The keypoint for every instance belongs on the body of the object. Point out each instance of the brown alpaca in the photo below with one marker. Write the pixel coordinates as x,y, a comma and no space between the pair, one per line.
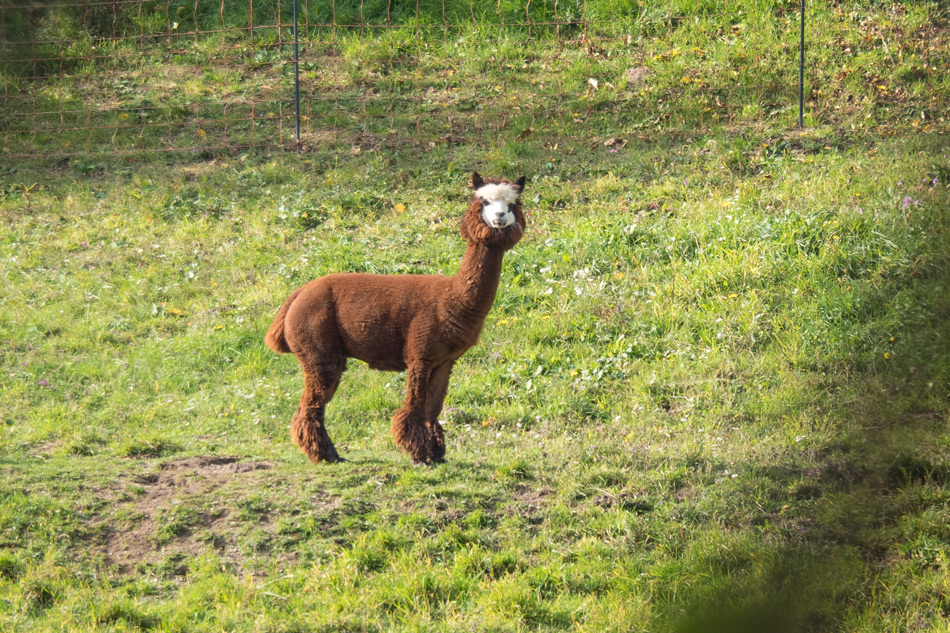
418,323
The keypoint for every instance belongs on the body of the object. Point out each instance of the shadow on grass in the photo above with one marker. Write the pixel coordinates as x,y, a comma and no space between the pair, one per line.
889,467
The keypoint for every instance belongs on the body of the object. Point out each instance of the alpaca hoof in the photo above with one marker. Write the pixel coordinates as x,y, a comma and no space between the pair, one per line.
326,459
436,442
332,457
324,456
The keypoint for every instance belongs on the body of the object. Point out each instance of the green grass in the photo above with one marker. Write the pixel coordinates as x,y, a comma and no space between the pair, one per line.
712,394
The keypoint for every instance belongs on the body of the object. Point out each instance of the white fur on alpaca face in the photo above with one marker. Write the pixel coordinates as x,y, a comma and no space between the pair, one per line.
498,202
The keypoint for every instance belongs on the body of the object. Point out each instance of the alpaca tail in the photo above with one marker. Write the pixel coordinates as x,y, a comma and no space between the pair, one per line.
275,335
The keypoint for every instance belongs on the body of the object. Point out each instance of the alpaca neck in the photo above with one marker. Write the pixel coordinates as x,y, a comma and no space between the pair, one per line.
476,282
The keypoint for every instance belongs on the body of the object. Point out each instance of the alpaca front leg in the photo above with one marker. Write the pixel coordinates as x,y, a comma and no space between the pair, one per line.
438,386
409,422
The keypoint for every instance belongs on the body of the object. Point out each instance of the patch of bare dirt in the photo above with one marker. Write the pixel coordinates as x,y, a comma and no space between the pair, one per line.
529,503
42,451
185,498
625,502
637,76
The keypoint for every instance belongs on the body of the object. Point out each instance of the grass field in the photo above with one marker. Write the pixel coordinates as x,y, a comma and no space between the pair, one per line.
712,394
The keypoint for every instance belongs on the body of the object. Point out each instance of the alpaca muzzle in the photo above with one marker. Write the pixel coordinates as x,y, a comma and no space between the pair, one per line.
497,214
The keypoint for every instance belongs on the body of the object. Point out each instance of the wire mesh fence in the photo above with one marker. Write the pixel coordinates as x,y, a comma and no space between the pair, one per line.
93,77
198,76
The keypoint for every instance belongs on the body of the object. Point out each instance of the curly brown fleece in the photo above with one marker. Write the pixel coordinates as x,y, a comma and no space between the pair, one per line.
418,323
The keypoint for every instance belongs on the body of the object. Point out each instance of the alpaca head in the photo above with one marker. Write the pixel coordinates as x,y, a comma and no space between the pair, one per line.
494,216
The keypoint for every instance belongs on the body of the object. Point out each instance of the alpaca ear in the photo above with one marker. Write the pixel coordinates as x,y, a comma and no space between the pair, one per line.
519,184
477,182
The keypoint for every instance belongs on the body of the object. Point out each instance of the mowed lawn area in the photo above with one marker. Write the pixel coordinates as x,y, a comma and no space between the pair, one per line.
712,394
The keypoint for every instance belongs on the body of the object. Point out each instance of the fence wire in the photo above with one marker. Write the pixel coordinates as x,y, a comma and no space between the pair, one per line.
204,76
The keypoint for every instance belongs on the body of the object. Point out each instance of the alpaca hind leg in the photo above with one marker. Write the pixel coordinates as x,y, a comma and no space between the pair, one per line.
308,428
409,429
438,386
